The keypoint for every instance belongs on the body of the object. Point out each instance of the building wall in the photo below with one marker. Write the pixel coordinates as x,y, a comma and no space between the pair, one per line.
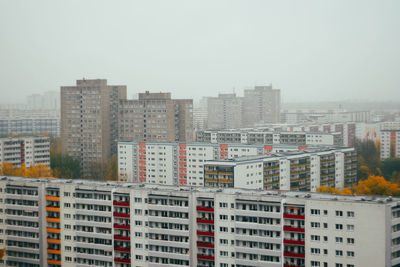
71,222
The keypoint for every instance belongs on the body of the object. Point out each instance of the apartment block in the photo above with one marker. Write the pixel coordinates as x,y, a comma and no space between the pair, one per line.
172,163
390,144
304,170
30,126
155,117
261,105
49,222
225,111
25,150
255,136
89,120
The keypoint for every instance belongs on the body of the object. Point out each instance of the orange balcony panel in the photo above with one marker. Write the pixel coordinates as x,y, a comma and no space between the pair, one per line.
53,219
54,251
53,230
54,262
53,198
52,209
54,241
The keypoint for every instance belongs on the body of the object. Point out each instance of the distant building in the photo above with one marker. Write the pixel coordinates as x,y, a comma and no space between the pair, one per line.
48,100
25,150
89,120
200,115
155,117
293,116
259,136
261,105
258,106
390,144
225,111
30,126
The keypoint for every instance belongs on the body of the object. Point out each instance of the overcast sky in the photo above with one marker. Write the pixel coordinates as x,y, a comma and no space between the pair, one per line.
311,50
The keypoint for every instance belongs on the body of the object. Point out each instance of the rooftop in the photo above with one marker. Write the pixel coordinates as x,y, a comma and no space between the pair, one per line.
228,191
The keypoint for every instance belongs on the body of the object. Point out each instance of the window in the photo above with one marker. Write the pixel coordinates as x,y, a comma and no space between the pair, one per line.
350,240
339,239
350,227
315,263
224,253
315,225
325,212
325,225
325,238
338,265
339,226
350,214
315,212
339,253
315,238
315,251
223,241
350,253
325,252
339,213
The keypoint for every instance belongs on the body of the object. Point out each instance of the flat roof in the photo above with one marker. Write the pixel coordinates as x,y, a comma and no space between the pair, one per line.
229,191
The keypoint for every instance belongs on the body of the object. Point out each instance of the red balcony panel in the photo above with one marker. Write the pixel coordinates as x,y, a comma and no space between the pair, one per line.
205,221
205,257
293,216
118,237
122,260
125,204
123,249
123,215
293,229
205,233
293,242
205,209
119,226
293,255
205,245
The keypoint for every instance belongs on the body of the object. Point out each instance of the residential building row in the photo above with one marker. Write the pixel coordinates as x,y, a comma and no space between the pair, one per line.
30,126
49,222
347,131
25,150
249,136
95,115
293,116
259,166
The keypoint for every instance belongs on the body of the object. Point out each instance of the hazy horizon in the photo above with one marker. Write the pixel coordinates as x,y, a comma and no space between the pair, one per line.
311,50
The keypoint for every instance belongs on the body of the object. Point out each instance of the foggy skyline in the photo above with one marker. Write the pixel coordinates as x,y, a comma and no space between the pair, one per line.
311,50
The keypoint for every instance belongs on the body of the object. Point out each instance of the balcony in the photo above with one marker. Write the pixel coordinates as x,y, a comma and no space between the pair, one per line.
205,245
120,226
52,198
293,216
53,230
119,237
123,249
57,241
54,262
290,265
122,260
53,251
202,233
293,242
53,219
293,229
205,257
122,215
205,221
205,209
294,255
123,204
53,209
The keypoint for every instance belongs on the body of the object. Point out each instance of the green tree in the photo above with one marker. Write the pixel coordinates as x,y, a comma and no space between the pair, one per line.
65,166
